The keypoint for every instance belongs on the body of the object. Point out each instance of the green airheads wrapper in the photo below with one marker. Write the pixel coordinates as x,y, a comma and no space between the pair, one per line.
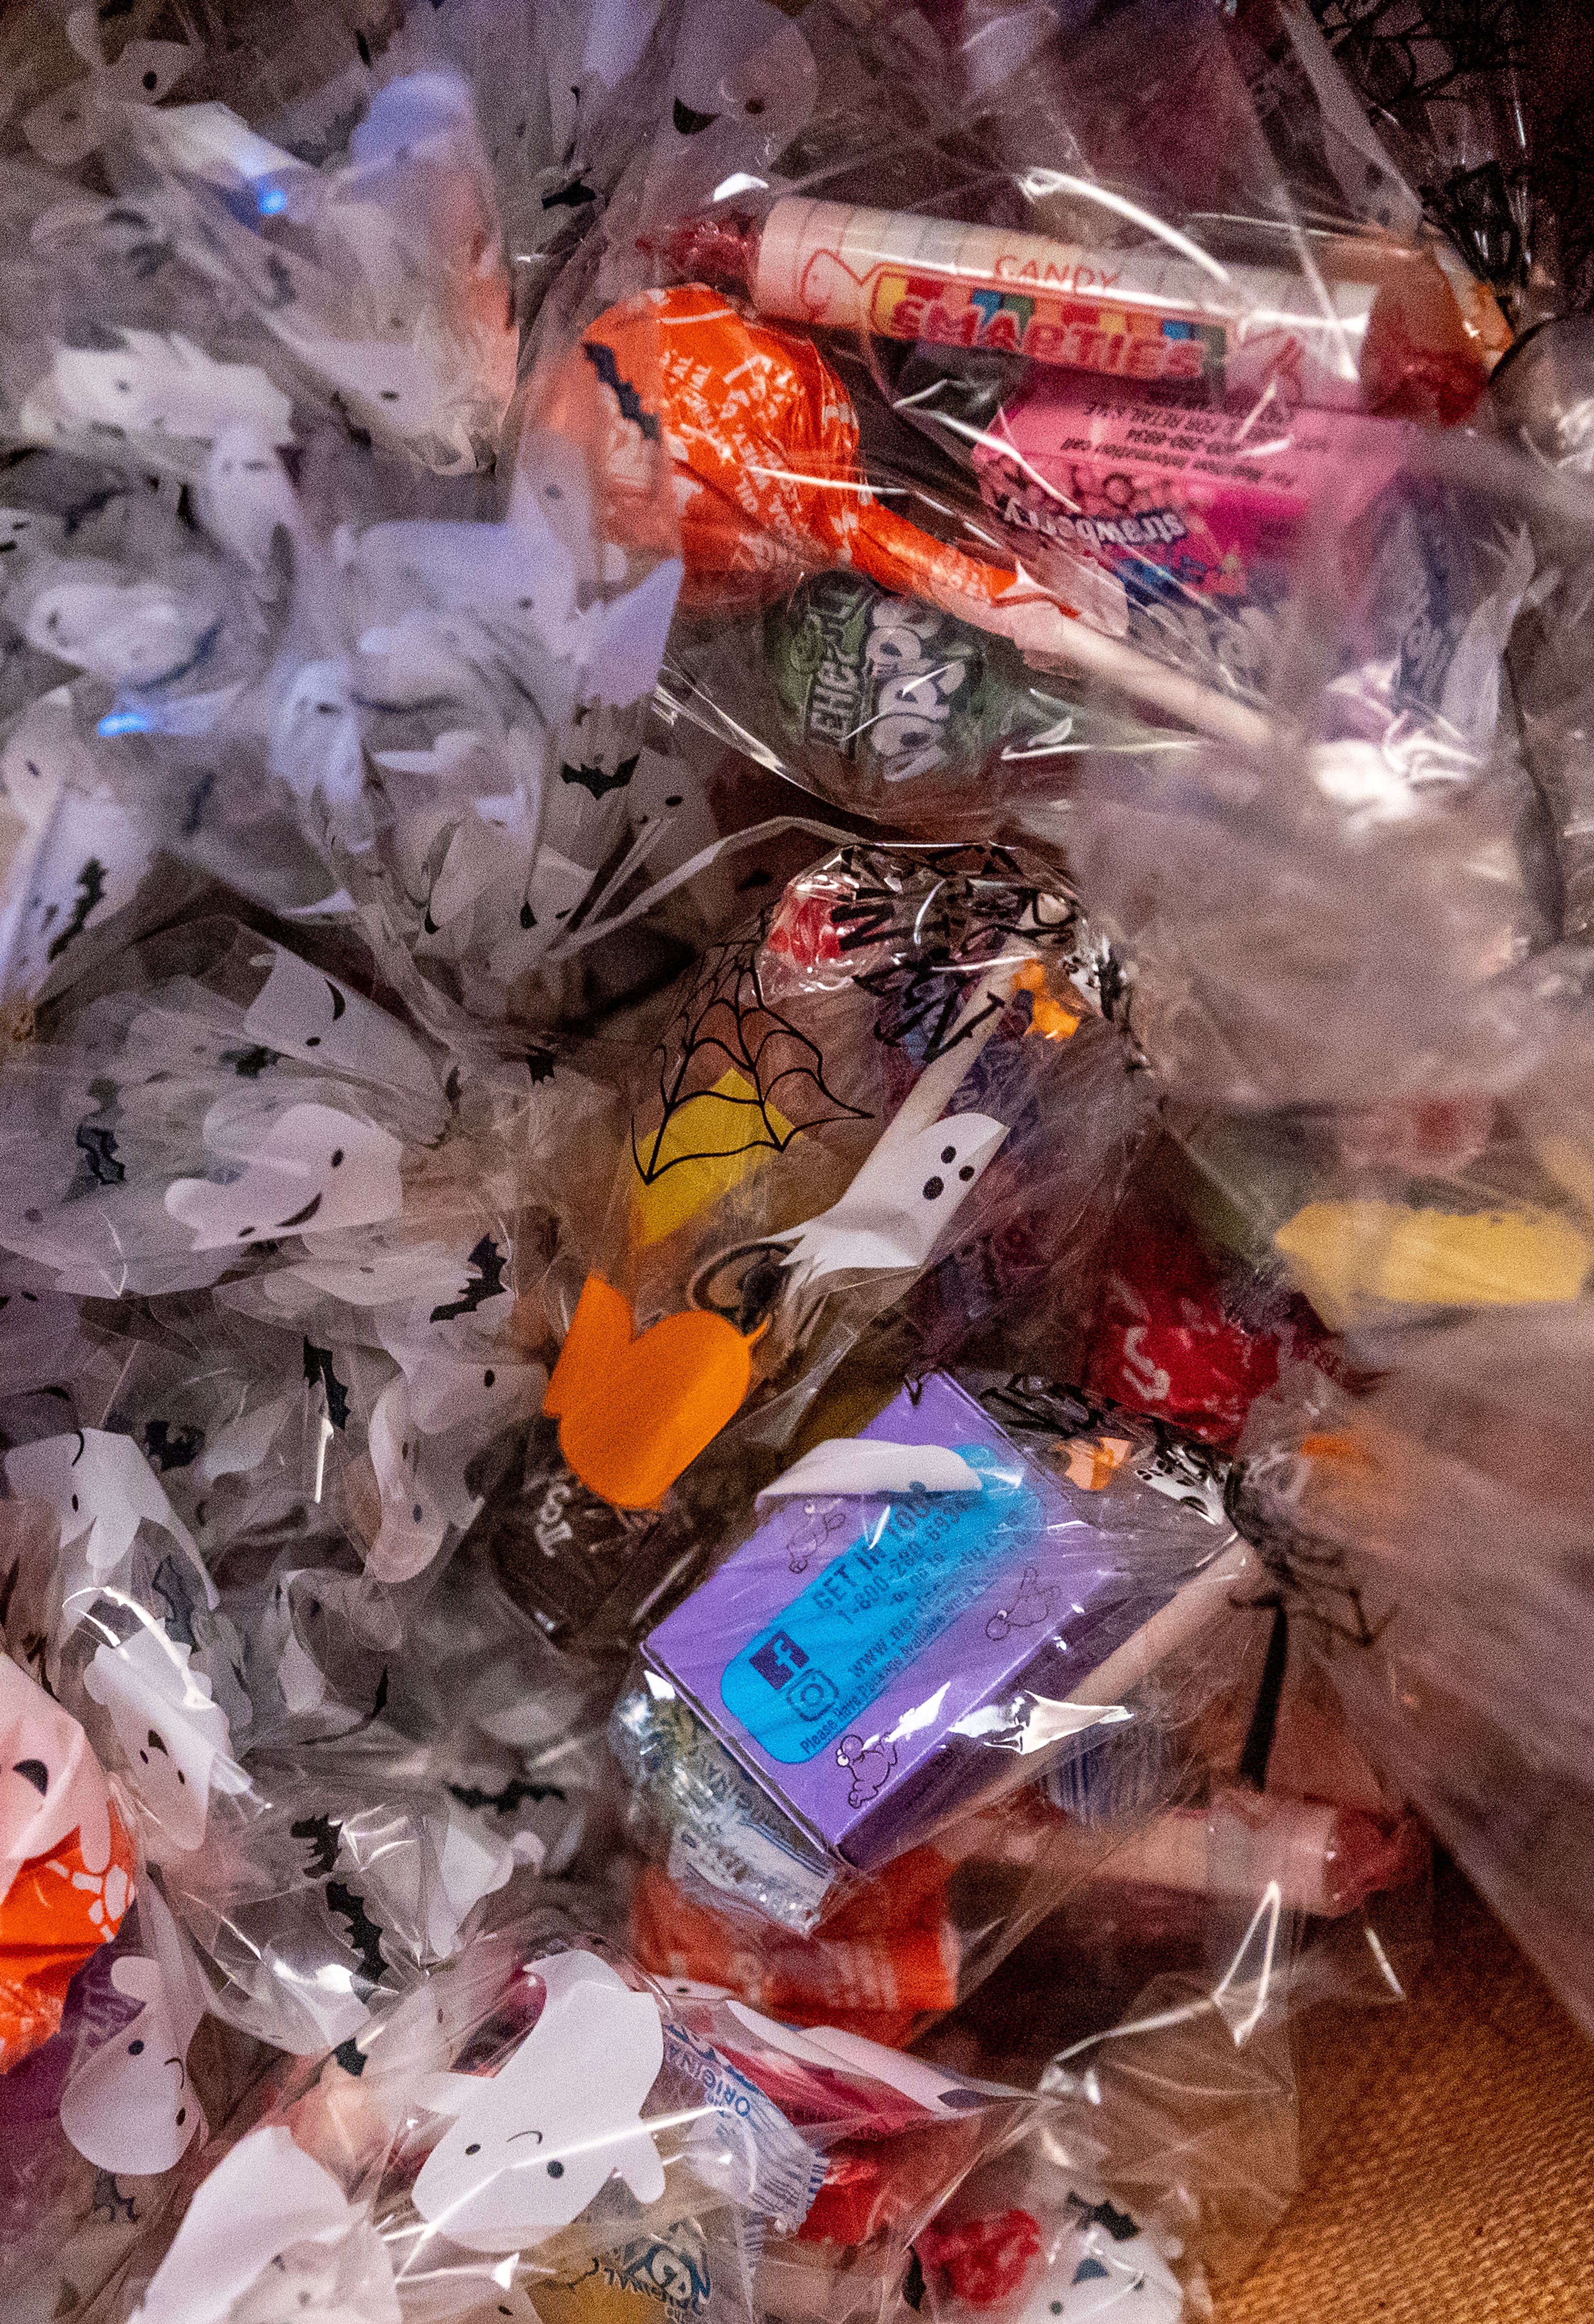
900,691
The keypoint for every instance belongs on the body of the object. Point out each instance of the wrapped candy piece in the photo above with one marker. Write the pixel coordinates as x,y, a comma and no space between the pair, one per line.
1180,1338
765,448
1143,315
1143,1496
903,1608
1080,2260
1452,111
696,2145
873,1967
1267,249
763,441
888,706
893,2132
883,986
405,2171
67,1865
1326,1860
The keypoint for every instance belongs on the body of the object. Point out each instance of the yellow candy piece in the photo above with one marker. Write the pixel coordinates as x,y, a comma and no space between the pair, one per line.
1350,1256
707,1147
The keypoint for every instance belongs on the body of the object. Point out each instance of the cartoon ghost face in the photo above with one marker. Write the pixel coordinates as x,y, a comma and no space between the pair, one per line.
907,1192
531,2145
304,1014
51,1784
66,126
315,736
99,1486
315,1169
172,1734
1112,2272
251,2242
745,83
131,2107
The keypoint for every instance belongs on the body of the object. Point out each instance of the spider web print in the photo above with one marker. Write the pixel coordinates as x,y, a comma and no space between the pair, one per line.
978,907
727,1026
1403,58
1311,1576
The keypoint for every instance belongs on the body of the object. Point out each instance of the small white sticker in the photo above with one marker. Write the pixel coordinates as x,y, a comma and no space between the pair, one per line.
129,2106
867,1465
266,2202
897,1207
308,1014
101,1488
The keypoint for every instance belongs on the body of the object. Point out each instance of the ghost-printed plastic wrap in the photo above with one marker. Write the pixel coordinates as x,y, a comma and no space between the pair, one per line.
382,280
101,2121
887,706
1031,2238
67,1865
254,1098
828,1101
529,2115
895,2135
541,1269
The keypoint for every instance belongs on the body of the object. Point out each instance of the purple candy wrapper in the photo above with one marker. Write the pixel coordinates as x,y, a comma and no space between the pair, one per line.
862,1653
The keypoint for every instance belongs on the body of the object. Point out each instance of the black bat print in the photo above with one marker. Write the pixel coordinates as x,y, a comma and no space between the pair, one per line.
109,2199
364,1936
91,891
250,1064
1117,2224
80,514
173,1448
569,197
631,407
199,796
100,1166
598,780
322,1834
317,1366
486,1281
506,1802
173,1583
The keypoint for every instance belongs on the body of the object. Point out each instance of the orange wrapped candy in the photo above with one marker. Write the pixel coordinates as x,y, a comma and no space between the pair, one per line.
762,448
66,1861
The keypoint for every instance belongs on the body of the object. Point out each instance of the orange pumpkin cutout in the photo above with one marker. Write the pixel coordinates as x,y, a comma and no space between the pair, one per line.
634,1412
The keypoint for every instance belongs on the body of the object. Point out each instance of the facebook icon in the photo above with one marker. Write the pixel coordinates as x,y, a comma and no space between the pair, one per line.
778,1659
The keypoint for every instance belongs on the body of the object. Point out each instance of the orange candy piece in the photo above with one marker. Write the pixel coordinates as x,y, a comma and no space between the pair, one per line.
52,1917
634,1412
764,446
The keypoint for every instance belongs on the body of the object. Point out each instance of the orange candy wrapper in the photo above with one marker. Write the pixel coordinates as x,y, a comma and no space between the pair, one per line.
875,1967
762,442
65,1861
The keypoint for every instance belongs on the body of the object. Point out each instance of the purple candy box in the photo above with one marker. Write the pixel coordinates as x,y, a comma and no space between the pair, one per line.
861,1654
